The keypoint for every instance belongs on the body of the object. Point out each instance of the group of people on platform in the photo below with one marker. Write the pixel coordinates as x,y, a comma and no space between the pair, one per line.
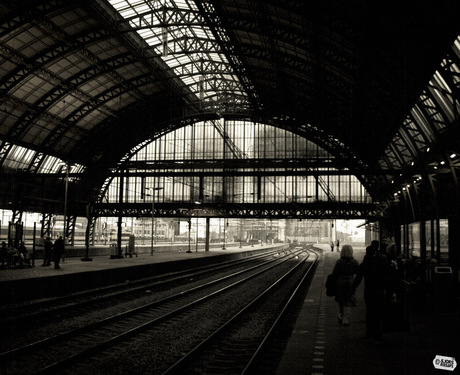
53,252
334,244
382,271
20,256
11,256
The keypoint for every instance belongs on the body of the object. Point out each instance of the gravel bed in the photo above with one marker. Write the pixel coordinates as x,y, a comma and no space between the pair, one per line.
10,339
154,351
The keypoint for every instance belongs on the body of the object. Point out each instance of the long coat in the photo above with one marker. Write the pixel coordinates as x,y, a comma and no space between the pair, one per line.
58,248
345,269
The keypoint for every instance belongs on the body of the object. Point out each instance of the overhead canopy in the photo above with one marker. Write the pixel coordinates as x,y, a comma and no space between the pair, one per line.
83,82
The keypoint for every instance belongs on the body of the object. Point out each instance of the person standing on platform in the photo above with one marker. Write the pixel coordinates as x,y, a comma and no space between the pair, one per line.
394,290
3,253
375,244
345,269
58,251
332,246
374,271
48,245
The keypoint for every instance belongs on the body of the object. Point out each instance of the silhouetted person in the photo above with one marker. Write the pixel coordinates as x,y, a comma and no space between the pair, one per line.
24,255
58,251
3,253
48,245
345,268
13,256
394,289
375,245
374,269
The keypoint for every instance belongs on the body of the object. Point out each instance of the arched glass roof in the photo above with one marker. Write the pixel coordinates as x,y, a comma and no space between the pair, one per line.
85,82
236,161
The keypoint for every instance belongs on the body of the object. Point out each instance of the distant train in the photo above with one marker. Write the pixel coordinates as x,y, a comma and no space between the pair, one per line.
28,234
113,236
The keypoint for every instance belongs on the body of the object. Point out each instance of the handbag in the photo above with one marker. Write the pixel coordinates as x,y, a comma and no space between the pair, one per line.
331,285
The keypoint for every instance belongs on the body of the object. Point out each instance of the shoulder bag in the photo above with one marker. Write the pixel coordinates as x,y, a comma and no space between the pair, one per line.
331,285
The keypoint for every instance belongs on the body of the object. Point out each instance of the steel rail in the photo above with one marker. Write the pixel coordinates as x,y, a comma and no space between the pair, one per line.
121,316
140,328
65,303
179,366
265,342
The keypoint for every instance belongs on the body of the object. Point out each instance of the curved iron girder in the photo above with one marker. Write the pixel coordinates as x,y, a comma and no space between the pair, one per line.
71,85
328,142
172,125
336,148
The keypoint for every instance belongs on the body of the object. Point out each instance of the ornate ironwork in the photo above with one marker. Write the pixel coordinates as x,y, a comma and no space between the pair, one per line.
315,210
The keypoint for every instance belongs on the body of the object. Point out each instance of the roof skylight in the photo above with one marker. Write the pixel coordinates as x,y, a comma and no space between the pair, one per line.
435,109
177,31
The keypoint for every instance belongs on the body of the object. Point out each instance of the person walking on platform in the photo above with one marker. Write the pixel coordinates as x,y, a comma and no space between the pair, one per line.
58,251
48,245
345,269
374,270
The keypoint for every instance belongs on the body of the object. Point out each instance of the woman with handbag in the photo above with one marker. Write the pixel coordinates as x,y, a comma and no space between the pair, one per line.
345,269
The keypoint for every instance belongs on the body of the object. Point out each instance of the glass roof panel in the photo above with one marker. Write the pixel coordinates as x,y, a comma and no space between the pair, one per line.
170,28
452,68
423,125
18,157
207,146
441,83
437,102
456,47
239,138
437,108
443,99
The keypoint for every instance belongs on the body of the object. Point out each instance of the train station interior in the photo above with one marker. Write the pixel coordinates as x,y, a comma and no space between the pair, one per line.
125,126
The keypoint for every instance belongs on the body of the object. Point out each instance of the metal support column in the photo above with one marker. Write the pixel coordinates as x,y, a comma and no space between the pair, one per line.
207,234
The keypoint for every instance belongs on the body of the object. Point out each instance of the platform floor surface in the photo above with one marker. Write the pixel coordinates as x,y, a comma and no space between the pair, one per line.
319,344
75,264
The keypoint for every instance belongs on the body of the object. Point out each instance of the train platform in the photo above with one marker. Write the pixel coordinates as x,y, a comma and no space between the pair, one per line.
20,285
101,262
319,344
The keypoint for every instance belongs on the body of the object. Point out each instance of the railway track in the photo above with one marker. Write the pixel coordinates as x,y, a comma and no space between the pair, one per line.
75,347
238,345
17,322
34,308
